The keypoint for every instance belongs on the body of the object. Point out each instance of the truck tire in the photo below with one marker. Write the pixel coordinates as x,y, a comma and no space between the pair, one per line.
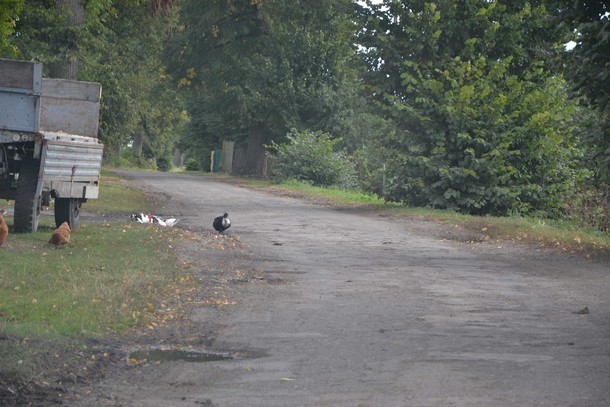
27,204
67,210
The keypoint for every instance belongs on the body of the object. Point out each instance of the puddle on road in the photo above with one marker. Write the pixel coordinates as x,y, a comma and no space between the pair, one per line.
172,355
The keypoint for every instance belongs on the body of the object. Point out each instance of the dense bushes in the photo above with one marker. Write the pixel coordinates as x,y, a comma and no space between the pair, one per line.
590,207
129,159
484,121
164,163
192,164
310,156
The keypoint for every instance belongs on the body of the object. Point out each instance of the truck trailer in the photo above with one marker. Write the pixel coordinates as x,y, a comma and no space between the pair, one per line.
48,143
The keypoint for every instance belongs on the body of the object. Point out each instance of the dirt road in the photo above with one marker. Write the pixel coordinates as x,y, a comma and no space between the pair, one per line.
339,307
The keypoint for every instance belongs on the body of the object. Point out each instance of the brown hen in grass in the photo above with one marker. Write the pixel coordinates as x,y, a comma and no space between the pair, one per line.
61,235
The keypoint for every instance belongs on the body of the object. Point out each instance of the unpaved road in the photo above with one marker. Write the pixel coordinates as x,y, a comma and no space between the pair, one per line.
356,309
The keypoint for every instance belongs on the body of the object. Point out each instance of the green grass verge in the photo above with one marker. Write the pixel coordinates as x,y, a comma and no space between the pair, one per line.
110,277
116,197
337,196
544,233
101,280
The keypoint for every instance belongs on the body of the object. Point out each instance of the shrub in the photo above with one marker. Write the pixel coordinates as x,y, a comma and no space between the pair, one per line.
129,159
192,164
164,163
310,156
590,207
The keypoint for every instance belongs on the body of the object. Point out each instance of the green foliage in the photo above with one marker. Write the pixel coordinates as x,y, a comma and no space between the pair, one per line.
42,34
137,96
9,11
164,163
587,68
129,159
588,25
589,206
501,144
373,155
120,45
309,156
462,108
593,130
483,126
192,164
262,66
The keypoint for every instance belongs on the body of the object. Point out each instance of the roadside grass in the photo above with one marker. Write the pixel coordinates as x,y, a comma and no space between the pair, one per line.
101,280
546,233
338,196
112,276
116,197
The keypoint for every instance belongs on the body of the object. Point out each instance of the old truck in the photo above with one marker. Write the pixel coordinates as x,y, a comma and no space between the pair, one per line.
48,143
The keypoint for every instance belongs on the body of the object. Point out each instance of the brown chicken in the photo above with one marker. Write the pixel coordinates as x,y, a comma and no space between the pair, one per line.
61,235
3,227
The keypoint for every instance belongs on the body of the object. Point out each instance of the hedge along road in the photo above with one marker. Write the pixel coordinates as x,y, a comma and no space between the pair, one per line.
371,310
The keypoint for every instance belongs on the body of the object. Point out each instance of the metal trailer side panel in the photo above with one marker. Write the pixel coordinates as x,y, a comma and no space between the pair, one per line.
70,106
19,111
71,165
20,89
24,75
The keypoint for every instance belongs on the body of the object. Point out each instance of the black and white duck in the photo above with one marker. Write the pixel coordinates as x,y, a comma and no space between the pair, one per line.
222,223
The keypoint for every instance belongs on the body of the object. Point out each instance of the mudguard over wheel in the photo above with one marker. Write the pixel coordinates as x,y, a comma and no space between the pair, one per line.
27,203
67,210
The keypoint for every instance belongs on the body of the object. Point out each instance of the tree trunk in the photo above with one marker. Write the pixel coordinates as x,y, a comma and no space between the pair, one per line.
239,159
178,160
67,68
226,162
138,142
255,154
116,152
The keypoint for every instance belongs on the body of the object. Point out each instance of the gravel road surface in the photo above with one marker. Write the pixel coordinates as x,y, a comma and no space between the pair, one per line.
344,307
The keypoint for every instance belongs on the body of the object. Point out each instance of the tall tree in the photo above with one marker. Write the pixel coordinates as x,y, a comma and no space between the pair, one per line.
139,103
116,43
483,123
73,12
258,68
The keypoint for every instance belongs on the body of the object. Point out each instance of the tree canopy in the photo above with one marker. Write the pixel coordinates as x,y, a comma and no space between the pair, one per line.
483,122
120,45
257,68
587,66
474,105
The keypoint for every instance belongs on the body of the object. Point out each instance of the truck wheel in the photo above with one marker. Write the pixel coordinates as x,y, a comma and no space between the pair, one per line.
27,204
67,210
